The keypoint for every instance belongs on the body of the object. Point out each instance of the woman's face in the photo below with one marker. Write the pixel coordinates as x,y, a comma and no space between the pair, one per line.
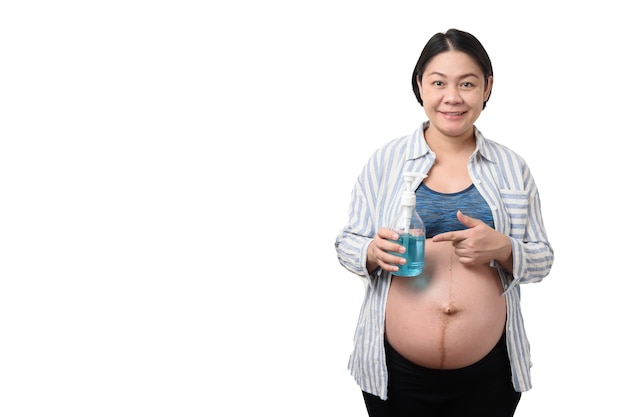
453,91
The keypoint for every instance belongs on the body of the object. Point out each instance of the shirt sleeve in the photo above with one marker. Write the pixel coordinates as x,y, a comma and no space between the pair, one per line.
353,240
532,253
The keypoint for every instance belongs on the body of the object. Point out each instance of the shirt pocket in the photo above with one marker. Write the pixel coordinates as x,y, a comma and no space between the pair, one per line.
516,203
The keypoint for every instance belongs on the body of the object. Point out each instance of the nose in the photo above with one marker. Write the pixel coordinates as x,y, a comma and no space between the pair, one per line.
452,96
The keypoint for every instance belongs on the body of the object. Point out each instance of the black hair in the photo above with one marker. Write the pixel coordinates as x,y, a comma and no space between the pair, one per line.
452,40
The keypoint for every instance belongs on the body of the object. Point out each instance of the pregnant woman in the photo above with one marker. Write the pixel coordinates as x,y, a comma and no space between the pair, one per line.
450,341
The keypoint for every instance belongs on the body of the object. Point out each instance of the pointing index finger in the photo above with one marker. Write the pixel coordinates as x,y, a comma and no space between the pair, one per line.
446,236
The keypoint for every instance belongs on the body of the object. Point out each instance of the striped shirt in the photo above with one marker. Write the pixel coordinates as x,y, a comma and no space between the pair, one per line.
505,182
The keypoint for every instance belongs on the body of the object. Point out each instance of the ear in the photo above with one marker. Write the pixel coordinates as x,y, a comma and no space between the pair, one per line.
488,88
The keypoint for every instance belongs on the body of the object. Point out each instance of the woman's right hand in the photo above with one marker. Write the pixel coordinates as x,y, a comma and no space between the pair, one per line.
378,251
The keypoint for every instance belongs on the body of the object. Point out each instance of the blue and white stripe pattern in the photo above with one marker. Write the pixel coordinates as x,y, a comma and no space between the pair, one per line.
505,182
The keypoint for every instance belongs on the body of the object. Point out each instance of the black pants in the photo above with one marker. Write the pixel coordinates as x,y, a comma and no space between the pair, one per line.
483,389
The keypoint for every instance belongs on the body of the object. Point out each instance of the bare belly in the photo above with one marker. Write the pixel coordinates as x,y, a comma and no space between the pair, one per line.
448,317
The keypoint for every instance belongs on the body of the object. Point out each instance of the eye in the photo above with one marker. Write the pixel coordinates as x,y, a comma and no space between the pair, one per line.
467,84
438,83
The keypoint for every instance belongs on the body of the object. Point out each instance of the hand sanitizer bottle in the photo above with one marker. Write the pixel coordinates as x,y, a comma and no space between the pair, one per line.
410,228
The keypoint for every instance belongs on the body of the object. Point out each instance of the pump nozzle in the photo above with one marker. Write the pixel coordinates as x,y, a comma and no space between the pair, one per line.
411,177
408,197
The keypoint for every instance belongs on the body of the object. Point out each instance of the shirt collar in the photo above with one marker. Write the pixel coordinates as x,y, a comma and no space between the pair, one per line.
483,146
418,146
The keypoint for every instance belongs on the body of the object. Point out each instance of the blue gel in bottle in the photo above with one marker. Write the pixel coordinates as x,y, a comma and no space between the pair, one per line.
414,255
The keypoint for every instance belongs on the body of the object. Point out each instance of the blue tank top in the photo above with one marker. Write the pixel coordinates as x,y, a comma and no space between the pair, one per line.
438,210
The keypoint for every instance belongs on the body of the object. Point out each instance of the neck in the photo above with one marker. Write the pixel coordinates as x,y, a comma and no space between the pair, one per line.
444,144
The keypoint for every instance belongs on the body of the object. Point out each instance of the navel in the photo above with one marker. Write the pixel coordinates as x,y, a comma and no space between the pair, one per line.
449,309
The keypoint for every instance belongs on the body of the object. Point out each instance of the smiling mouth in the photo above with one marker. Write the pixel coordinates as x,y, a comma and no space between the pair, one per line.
455,113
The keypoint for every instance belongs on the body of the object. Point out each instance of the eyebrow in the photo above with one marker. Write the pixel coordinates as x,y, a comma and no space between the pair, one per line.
469,74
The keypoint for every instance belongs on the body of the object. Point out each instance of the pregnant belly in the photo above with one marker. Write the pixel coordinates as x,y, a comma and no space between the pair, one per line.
448,317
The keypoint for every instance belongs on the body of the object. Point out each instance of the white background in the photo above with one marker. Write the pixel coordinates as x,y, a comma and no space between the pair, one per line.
173,176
